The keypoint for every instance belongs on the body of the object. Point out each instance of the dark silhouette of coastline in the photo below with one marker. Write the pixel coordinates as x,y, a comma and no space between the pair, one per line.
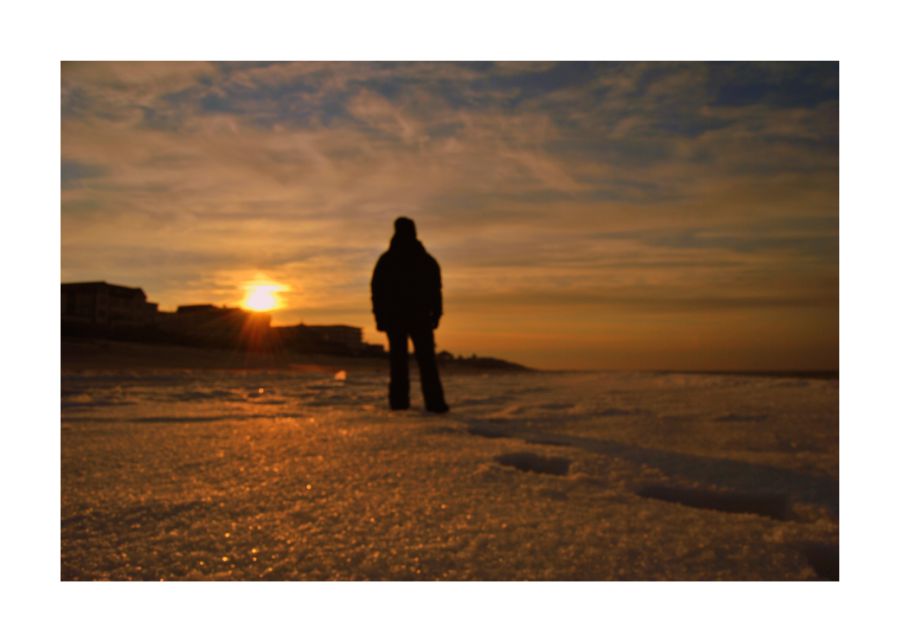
790,374
102,318
83,352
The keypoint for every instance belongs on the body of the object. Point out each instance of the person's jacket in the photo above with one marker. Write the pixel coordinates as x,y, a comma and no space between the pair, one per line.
406,286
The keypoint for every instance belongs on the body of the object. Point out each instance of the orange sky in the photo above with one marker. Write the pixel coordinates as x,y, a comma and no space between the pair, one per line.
584,215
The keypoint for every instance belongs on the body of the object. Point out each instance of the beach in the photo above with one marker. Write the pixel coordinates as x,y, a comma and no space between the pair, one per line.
178,464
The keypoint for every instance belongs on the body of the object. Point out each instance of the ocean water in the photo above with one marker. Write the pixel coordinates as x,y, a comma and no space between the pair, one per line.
285,475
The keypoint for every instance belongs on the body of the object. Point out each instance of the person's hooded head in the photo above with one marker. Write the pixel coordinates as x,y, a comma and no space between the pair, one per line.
404,234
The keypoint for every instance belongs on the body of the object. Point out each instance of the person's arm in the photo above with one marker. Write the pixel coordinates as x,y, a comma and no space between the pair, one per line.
437,304
377,287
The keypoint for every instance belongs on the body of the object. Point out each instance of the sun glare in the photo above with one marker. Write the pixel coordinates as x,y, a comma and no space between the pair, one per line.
262,297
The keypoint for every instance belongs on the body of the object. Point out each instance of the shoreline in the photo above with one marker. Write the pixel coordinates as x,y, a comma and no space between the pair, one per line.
98,353
78,354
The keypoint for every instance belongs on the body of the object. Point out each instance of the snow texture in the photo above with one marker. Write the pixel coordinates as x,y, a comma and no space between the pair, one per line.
280,475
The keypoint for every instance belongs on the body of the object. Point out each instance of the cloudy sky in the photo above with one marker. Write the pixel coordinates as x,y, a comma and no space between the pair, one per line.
629,215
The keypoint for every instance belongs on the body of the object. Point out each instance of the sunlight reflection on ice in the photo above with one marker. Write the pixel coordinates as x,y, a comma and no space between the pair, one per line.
197,467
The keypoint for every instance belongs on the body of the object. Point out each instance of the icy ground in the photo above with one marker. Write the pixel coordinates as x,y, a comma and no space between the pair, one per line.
283,475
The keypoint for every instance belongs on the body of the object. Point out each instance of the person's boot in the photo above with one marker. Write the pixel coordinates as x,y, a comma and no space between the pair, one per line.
439,408
398,401
398,394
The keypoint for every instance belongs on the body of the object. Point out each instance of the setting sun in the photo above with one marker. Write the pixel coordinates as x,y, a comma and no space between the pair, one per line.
261,297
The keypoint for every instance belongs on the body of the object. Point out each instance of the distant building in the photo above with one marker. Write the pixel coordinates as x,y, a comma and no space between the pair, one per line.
99,309
341,338
98,303
216,325
202,307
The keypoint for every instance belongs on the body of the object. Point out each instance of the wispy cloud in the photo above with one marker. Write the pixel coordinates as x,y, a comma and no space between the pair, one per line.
702,189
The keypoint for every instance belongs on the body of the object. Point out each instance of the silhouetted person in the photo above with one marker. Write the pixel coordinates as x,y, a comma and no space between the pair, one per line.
406,300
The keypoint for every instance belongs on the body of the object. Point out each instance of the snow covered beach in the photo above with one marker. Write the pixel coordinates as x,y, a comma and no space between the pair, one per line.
298,474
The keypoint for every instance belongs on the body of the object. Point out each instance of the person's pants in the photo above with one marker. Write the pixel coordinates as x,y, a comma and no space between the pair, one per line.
423,341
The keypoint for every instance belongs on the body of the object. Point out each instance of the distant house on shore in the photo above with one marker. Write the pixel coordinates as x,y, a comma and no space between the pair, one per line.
344,338
98,303
213,324
99,309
